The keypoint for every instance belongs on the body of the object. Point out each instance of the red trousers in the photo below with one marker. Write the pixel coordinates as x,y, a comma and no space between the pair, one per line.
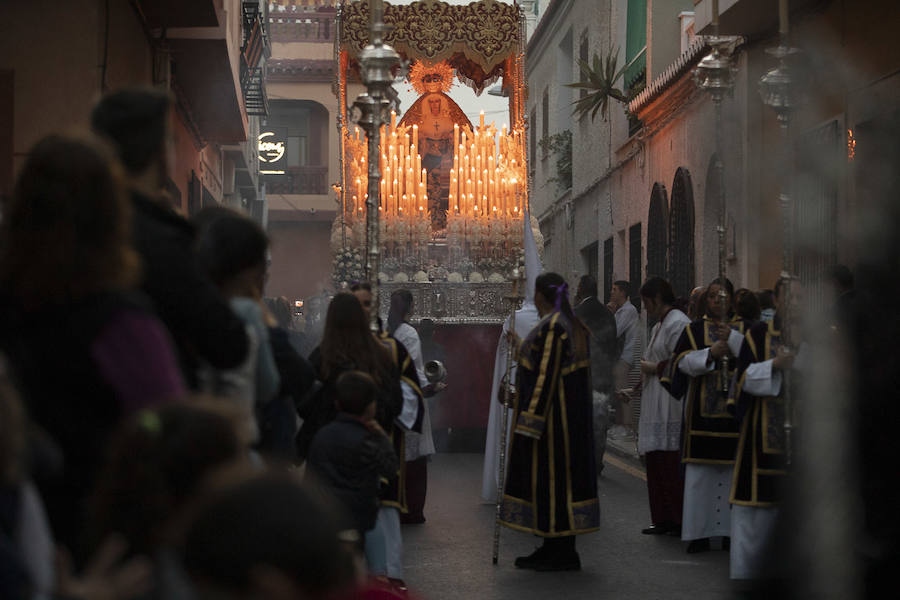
665,486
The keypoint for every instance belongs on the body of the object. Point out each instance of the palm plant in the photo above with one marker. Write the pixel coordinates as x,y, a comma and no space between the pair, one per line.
599,79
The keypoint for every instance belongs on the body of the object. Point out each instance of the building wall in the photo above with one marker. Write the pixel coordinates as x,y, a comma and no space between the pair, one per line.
50,94
300,224
301,258
569,218
63,61
663,33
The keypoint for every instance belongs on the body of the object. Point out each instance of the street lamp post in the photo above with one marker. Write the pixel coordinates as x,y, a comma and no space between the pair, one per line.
376,61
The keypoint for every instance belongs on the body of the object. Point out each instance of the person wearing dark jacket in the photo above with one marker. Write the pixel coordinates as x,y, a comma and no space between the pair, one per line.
197,316
84,351
278,422
352,454
602,325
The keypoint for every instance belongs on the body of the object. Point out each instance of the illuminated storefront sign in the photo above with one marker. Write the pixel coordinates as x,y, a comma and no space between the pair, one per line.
272,146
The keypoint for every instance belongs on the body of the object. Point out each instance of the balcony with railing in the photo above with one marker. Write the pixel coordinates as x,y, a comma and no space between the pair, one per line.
306,180
302,26
254,52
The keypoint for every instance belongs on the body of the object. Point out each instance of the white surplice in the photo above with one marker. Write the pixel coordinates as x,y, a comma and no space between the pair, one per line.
752,527
707,512
417,444
660,425
526,318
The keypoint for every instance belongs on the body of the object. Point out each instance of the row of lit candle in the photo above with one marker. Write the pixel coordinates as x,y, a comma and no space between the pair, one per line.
485,180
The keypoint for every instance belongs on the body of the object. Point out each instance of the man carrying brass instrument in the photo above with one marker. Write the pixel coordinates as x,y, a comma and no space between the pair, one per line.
710,430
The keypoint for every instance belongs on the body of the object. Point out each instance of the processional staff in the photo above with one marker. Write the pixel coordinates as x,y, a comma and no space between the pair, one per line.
715,75
508,391
372,107
779,90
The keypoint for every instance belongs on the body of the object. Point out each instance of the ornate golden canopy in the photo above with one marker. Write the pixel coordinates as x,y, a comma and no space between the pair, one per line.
476,39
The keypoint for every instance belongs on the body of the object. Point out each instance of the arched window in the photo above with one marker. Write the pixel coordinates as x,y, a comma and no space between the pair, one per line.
657,224
681,234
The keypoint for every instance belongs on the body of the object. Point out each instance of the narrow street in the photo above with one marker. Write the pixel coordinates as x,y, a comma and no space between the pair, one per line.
450,555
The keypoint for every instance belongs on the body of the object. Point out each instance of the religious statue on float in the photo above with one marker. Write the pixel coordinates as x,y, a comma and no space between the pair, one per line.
435,113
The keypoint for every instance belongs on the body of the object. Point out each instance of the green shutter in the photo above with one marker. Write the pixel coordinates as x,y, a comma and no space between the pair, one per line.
635,41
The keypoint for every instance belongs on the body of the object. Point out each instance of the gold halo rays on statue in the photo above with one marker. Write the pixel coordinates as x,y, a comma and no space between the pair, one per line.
428,77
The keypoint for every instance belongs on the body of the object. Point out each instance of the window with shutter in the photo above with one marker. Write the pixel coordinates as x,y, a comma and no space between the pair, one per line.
657,235
681,234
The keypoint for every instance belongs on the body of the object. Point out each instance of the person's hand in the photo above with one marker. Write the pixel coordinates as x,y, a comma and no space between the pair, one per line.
611,306
105,577
722,331
784,358
648,367
440,386
719,349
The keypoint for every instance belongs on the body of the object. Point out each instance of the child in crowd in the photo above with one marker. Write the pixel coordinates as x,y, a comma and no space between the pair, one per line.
352,455
232,249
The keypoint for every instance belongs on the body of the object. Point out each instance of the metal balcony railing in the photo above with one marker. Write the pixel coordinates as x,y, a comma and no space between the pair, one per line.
302,26
299,180
254,50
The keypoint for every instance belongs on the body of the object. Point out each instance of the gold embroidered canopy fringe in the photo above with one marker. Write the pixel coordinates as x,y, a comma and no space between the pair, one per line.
476,39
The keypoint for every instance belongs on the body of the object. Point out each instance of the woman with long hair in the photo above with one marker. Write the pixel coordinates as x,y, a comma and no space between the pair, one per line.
419,446
81,343
551,486
347,345
659,428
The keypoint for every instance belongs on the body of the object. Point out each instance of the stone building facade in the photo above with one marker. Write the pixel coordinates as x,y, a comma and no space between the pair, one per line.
58,58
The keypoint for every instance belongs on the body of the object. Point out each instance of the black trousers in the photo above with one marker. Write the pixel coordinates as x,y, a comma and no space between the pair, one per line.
416,488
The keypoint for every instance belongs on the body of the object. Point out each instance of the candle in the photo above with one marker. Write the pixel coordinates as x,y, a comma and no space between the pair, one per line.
415,136
783,17
393,119
481,120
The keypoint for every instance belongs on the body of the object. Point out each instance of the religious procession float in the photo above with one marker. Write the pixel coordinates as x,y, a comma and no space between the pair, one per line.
452,192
